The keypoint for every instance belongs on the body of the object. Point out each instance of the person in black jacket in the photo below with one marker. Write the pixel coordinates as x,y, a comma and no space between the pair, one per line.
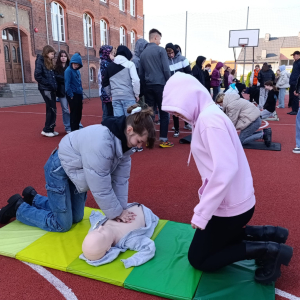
270,104
264,75
296,150
45,77
293,99
198,71
207,70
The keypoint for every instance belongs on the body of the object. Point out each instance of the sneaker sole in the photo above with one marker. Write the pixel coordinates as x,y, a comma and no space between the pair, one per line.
296,152
165,146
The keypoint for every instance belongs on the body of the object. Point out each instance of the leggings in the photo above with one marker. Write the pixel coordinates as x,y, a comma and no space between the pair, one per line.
176,123
221,243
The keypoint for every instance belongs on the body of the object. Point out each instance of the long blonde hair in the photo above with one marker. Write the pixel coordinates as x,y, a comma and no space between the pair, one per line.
47,61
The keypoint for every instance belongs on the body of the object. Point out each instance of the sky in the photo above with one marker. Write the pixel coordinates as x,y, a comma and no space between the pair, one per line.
209,23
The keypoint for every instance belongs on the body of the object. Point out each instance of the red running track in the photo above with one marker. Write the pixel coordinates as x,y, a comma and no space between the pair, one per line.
160,179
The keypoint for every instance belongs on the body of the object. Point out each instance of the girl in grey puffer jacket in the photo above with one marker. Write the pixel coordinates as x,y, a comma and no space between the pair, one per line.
282,84
96,158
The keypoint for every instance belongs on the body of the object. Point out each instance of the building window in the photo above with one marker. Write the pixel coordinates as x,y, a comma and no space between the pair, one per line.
14,54
4,35
57,16
19,55
6,53
87,30
122,5
92,74
284,62
103,33
122,36
132,37
132,7
291,62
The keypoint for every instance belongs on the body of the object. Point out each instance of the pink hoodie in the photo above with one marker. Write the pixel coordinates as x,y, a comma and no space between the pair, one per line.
227,188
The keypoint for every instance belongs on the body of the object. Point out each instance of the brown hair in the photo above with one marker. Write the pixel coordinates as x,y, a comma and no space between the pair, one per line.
141,122
58,67
220,97
233,72
47,61
257,66
270,83
207,65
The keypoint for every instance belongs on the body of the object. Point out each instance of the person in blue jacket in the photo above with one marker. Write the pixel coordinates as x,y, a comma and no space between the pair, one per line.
74,92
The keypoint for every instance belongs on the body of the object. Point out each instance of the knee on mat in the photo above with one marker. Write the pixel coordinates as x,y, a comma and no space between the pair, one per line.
77,219
200,264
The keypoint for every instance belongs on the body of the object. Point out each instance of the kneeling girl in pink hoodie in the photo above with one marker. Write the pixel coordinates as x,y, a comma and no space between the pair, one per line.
227,199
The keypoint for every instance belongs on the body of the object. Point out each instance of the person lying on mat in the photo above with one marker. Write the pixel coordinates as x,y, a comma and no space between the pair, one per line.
96,158
227,199
245,117
108,238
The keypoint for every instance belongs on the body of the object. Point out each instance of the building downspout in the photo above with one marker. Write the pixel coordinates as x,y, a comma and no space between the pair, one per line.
46,22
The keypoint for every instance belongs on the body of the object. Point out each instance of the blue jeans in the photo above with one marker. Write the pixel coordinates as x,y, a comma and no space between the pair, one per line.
120,107
298,129
63,206
281,97
66,114
216,91
249,134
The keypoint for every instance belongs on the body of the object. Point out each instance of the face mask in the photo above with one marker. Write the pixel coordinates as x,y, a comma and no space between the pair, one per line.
209,70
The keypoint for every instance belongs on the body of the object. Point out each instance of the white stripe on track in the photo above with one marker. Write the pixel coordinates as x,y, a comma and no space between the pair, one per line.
286,295
58,284
37,113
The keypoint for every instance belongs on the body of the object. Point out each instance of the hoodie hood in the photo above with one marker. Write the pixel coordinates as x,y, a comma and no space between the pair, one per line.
228,99
200,60
282,68
185,95
104,52
120,59
124,51
76,59
219,65
171,46
139,48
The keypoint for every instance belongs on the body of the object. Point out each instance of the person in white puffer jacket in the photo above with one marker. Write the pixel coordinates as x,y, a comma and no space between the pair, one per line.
282,84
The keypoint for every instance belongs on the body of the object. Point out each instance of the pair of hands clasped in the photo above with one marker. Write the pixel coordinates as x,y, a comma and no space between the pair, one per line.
126,217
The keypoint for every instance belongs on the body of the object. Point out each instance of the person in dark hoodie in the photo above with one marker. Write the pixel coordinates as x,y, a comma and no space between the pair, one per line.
45,77
216,80
264,75
226,74
293,99
138,50
178,63
96,158
74,90
207,77
270,104
198,71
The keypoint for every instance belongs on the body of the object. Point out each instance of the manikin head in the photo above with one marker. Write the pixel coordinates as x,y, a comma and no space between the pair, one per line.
98,242
155,36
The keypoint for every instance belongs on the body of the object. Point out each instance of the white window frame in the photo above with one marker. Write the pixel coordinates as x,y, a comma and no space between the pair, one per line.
103,32
87,21
4,36
122,5
57,10
92,74
132,39
132,7
122,36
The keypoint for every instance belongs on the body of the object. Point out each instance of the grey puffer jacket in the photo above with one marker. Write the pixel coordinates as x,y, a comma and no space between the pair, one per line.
240,111
93,160
283,81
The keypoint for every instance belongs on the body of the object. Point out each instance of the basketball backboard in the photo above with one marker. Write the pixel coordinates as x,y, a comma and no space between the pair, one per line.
243,38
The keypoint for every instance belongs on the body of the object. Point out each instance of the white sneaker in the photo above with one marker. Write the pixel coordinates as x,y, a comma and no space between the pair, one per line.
176,134
296,150
173,128
55,133
48,134
188,127
68,131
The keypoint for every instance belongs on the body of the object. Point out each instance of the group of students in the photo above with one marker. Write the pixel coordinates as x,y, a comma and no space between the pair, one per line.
62,81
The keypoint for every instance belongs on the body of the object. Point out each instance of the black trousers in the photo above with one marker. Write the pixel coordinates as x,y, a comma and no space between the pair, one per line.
293,100
50,100
220,244
176,123
110,110
254,94
75,110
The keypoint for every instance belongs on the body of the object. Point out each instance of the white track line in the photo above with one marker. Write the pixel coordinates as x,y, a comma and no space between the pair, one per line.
286,295
37,113
58,284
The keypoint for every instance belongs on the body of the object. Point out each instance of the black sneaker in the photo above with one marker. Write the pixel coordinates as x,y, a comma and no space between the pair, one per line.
9,211
28,194
176,134
293,113
267,137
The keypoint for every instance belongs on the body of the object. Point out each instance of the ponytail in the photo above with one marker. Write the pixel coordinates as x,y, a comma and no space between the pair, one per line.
142,122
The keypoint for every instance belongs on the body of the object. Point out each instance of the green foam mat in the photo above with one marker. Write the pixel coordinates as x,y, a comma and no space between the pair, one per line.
234,282
169,274
16,236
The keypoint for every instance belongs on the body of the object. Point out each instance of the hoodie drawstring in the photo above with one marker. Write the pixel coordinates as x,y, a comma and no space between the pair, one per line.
190,155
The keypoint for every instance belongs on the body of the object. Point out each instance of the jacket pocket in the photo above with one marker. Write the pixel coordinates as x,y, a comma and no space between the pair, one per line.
202,188
57,198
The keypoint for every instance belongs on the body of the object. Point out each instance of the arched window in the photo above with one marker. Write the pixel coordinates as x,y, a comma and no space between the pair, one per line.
87,30
132,38
132,7
14,54
122,36
122,5
92,74
4,35
103,33
58,23
6,53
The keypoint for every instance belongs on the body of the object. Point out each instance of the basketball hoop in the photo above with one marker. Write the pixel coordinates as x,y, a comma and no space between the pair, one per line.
243,42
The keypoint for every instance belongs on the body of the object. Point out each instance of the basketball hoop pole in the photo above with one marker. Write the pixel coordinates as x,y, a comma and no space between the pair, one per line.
245,48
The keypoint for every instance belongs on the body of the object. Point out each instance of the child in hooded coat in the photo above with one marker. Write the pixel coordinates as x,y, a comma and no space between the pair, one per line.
216,80
227,199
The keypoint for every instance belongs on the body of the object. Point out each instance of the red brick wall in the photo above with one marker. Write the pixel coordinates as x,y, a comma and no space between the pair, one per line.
74,10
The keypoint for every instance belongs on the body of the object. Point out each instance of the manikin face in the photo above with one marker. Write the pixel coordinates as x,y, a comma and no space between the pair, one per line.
50,55
75,66
170,53
63,58
135,140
